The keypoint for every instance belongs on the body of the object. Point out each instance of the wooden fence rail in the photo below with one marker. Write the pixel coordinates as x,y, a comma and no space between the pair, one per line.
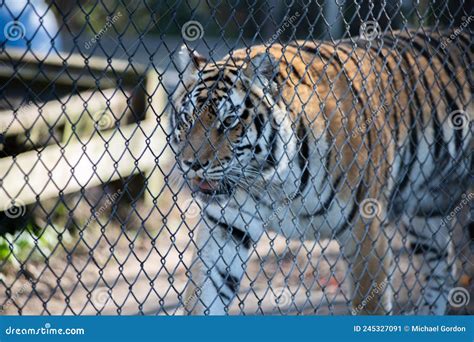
81,162
68,108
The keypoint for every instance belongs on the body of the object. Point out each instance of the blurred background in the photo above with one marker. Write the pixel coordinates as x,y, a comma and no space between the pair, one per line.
148,31
93,215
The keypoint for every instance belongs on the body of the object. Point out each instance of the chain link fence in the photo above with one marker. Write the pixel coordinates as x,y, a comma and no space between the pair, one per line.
236,157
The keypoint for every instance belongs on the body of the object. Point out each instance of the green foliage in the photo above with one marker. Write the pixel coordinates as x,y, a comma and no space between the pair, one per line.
29,243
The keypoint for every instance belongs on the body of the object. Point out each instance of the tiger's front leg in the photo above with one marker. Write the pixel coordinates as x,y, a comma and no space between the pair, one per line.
223,240
367,251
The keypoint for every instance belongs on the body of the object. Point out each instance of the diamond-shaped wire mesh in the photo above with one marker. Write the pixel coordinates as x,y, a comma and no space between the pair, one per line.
236,157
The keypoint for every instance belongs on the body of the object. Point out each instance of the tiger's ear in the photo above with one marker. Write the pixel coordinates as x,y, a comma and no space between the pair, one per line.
189,62
262,67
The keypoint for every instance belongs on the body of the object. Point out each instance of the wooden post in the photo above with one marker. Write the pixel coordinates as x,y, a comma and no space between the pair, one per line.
156,115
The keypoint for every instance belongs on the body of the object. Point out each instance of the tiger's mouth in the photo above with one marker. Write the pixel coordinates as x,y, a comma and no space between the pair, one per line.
210,187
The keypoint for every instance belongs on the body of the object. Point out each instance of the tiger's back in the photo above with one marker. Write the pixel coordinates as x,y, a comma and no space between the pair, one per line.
403,100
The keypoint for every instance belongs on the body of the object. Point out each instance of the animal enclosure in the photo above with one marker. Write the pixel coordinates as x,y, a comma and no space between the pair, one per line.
98,214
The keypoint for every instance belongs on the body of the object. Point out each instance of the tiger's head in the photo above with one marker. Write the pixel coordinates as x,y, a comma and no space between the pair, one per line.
226,123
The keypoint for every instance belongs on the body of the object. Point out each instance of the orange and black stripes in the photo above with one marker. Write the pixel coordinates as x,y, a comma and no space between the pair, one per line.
334,124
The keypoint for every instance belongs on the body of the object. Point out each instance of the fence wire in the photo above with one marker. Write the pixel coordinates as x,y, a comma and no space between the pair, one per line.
236,157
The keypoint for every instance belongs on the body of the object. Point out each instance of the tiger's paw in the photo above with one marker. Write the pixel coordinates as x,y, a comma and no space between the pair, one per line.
432,303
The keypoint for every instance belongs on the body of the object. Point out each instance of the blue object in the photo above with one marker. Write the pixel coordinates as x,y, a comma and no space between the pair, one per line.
238,328
28,24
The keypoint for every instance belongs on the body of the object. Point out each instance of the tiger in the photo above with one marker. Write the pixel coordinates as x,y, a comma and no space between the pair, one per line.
313,140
